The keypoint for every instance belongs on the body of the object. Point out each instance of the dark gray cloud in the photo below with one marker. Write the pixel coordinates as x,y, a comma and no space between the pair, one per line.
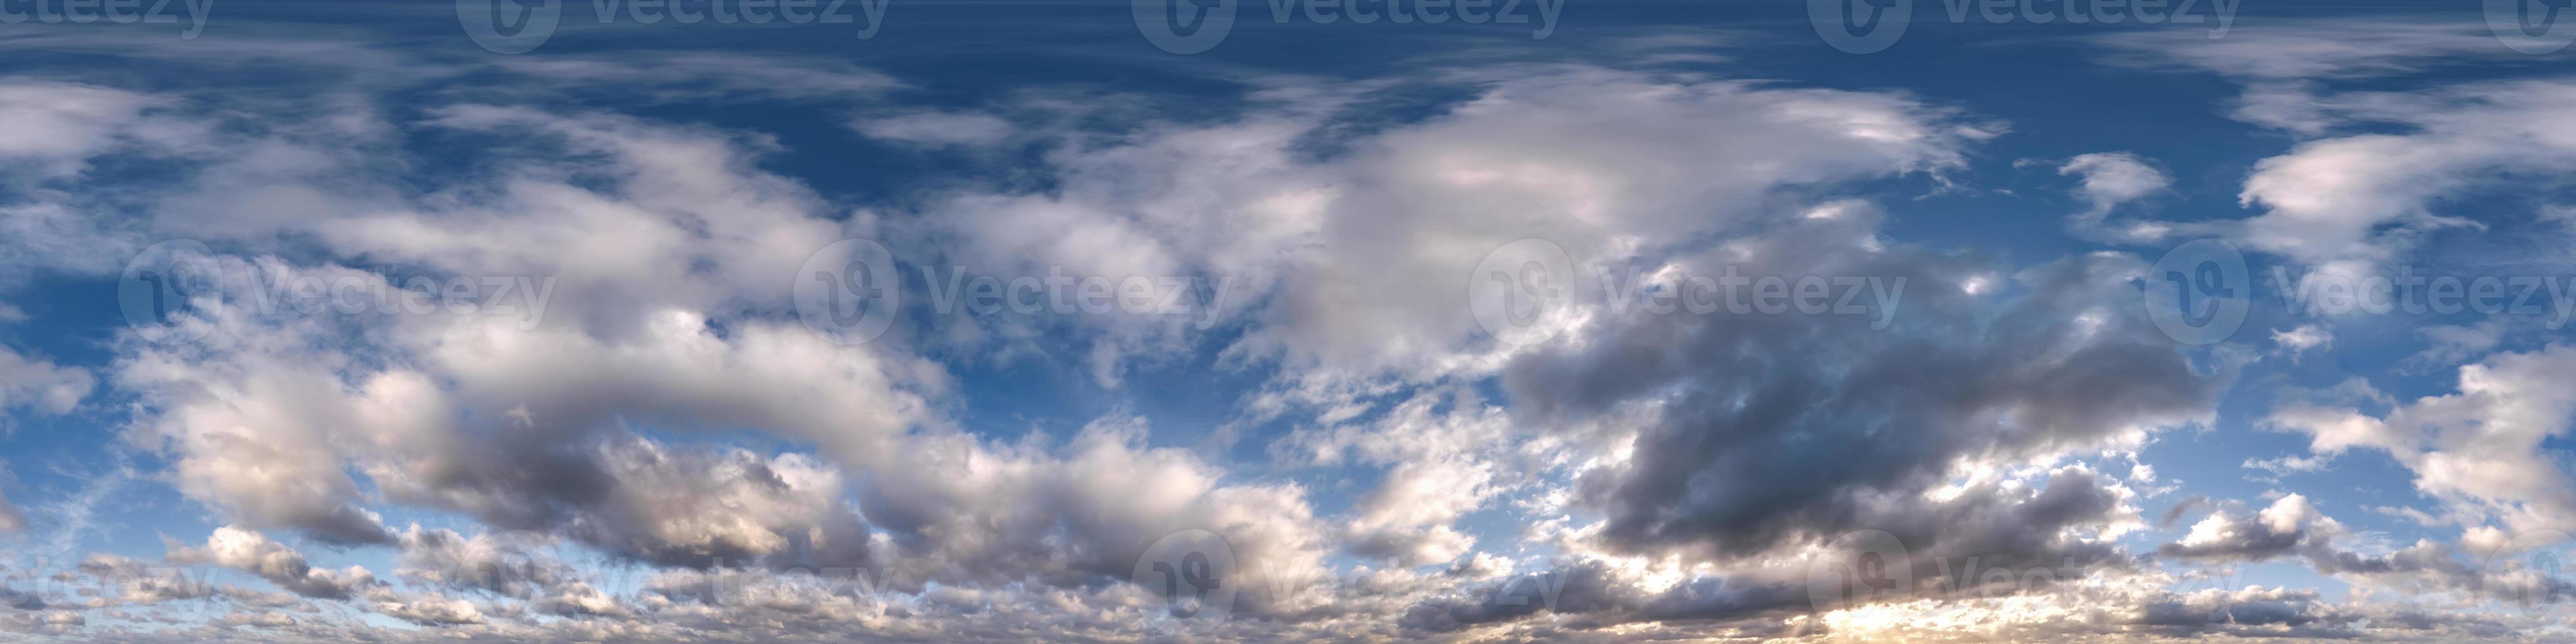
1773,429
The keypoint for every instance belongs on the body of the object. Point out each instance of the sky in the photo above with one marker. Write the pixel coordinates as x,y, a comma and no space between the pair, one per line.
1286,320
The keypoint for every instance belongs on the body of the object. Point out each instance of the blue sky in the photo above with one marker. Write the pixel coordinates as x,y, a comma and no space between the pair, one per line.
376,320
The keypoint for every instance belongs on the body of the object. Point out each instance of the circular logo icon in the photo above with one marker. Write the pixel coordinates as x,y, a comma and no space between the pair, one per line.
2198,292
2526,569
1860,26
163,284
1862,567
1520,292
509,26
848,291
1193,571
1184,26
2530,26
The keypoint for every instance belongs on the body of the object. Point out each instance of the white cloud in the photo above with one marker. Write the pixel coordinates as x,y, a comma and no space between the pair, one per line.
937,128
2299,340
2110,179
2479,449
252,552
2373,169
41,385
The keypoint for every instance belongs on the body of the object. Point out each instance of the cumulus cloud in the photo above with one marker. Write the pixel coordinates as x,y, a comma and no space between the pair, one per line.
2371,173
2479,449
1350,265
508,563
2300,339
425,610
1091,509
249,551
135,582
65,124
1773,428
2108,180
41,385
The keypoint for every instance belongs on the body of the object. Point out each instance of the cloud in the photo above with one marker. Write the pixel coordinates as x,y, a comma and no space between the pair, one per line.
2479,449
1349,265
425,610
252,552
2273,532
701,76
64,124
2314,49
1768,429
2110,179
2287,464
2374,169
507,563
2300,339
41,385
135,582
514,418
937,128
1090,509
